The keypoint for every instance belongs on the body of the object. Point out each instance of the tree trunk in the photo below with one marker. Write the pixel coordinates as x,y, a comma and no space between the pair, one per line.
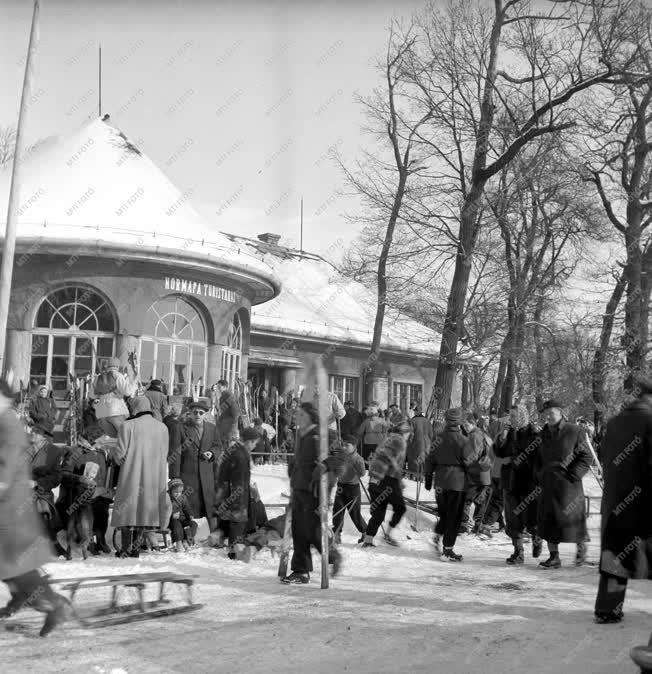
632,338
374,356
600,356
513,354
466,392
539,367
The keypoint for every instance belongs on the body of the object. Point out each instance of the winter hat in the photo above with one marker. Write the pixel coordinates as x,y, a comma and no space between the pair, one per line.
249,434
42,387
174,483
395,444
138,405
155,385
550,404
453,416
200,403
350,439
113,362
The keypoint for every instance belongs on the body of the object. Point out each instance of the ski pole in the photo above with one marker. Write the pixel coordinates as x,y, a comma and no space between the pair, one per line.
416,508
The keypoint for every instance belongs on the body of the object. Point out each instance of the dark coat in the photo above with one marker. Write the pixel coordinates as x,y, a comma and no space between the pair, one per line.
199,475
159,403
234,475
304,461
627,498
46,469
519,447
420,441
43,411
449,460
479,470
180,505
350,422
23,544
227,419
561,461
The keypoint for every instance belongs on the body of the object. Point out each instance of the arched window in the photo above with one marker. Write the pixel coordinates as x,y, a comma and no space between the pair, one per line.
232,352
173,347
74,330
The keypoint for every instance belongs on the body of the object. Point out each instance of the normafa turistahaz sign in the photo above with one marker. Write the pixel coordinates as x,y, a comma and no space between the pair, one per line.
189,287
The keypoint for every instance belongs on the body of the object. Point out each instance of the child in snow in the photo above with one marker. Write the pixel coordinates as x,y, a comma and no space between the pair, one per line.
347,494
182,527
385,487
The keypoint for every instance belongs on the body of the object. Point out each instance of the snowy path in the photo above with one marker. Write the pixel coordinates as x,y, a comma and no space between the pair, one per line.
391,610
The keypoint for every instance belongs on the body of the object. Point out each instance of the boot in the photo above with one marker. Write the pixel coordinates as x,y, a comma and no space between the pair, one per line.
609,617
449,555
580,554
437,542
516,557
186,547
389,539
178,546
553,562
126,541
335,560
361,539
368,542
296,578
537,546
60,611
485,531
13,605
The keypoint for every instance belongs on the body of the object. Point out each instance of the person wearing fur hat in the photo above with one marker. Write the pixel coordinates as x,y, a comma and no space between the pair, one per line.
420,440
42,409
195,449
182,526
517,446
232,495
561,460
111,387
385,487
449,459
141,499
305,470
372,432
626,542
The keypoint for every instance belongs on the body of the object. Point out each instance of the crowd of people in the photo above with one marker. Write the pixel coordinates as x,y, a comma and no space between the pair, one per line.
145,466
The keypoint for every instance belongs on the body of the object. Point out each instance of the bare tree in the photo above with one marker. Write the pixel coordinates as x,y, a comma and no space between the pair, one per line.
7,144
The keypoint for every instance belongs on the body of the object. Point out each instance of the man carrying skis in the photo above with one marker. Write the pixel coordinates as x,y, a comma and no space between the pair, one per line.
449,460
305,471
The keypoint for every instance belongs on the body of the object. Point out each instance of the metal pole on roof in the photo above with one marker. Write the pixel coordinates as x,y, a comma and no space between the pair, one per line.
301,244
99,76
9,244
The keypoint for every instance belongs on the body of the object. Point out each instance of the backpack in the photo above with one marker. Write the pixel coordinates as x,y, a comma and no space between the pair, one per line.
105,383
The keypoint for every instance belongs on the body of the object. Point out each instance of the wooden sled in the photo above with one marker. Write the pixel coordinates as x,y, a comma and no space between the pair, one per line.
642,656
116,613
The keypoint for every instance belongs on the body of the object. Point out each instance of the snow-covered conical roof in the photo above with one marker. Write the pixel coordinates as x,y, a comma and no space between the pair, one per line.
95,190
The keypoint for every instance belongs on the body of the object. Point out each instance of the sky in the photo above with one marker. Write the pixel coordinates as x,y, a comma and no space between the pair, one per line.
239,102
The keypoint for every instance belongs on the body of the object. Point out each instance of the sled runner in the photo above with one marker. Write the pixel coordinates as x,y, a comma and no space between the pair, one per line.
117,613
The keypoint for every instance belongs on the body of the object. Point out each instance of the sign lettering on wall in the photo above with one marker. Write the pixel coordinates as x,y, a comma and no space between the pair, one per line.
196,288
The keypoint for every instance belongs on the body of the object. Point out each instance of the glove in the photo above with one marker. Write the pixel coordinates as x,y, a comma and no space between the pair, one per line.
176,516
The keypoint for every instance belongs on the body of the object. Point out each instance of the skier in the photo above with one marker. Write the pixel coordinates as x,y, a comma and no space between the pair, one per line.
23,546
347,494
449,459
420,441
517,446
626,503
478,478
372,432
305,471
386,487
561,460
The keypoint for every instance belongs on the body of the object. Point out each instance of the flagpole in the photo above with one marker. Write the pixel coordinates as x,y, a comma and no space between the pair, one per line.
9,244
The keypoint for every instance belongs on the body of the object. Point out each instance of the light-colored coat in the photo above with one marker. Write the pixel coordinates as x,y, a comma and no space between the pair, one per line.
113,404
141,498
23,544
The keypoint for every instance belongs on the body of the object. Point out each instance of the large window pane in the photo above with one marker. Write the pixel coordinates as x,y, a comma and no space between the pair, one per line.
104,347
40,344
61,346
181,361
163,359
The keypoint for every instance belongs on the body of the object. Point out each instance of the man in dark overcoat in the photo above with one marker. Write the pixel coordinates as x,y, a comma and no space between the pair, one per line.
194,454
561,461
228,414
419,442
626,503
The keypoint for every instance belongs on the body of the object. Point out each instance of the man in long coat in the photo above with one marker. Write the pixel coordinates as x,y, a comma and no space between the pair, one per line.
24,547
195,448
141,499
626,504
420,441
561,461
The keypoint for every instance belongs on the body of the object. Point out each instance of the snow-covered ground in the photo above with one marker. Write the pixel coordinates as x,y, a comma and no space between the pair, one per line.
391,610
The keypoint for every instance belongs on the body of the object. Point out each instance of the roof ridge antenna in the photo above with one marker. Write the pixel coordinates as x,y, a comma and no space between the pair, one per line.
99,85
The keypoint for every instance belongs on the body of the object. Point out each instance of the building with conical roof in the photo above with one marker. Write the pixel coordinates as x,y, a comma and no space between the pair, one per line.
111,259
